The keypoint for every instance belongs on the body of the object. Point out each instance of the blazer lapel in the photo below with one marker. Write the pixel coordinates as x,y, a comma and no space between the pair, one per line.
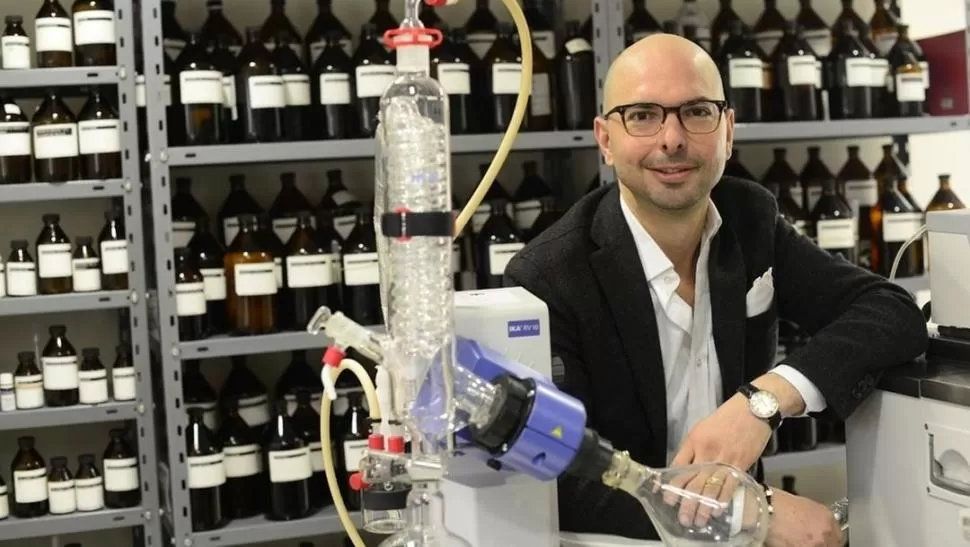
727,278
616,265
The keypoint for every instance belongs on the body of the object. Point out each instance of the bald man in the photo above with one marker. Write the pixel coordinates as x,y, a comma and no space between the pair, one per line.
664,293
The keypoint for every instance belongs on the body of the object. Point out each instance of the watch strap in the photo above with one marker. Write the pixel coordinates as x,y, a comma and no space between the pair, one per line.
748,390
769,492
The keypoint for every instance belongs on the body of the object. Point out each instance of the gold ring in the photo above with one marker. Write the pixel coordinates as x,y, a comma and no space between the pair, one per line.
713,480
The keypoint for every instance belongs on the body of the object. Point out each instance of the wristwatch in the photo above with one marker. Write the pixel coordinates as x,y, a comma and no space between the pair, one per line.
763,404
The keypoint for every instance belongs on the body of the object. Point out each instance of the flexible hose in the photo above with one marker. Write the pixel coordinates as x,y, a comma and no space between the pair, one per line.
328,463
899,254
521,103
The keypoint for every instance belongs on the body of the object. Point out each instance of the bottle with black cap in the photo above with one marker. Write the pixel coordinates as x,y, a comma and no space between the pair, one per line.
85,266
198,93
310,274
54,258
15,158
245,387
306,422
260,97
28,382
362,291
62,497
190,304
209,256
374,71
92,378
21,270
238,202
121,485
287,458
123,385
244,491
59,362
251,284
29,477
206,474
15,44
88,484
497,243
114,251
186,210
330,86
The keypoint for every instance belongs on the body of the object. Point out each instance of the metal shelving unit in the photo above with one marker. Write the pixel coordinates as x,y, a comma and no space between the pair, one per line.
257,530
142,520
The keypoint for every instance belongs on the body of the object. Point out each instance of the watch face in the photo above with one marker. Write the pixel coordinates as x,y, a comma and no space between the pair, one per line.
763,404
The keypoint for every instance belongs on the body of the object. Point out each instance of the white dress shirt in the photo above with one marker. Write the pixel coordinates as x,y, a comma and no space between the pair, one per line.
691,368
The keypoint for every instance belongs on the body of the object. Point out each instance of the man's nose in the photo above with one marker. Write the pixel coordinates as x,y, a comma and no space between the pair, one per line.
673,136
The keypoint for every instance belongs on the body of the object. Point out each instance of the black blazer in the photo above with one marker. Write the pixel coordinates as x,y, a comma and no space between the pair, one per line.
587,270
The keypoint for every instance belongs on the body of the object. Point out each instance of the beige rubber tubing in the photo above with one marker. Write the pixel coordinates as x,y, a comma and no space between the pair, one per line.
504,147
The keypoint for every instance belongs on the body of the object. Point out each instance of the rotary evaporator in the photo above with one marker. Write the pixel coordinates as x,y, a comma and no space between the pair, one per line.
483,429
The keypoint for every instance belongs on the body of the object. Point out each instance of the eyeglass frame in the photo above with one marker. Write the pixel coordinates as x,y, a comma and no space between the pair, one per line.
667,110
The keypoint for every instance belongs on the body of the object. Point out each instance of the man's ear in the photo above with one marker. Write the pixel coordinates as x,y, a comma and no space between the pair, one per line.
602,134
729,130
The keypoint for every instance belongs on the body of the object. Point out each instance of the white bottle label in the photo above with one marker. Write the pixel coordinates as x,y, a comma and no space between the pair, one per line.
579,45
4,503
526,213
354,451
266,92
344,225
290,465
201,87
880,73
229,96
284,228
899,227
94,27
93,388
230,227
925,69
53,34
55,140
746,73
372,80
499,255
858,72
255,279
206,471
481,42
123,383
836,233
909,88
214,280
254,410
316,457
90,494
29,391
99,136
865,192
801,70
61,497
21,279
8,400
86,274
114,256
541,102
15,51
60,373
243,461
311,270
820,40
506,78
768,40
480,216
14,139
182,232
361,269
455,78
190,299
297,89
545,40
121,475
54,260
30,486
335,88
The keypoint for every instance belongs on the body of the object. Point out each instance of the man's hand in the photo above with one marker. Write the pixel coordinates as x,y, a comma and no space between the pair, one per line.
801,522
732,435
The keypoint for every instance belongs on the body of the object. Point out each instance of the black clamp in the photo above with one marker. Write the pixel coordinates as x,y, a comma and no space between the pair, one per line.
406,224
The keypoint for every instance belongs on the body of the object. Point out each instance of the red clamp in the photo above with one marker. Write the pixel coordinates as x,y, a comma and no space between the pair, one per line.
395,444
429,37
357,482
375,441
436,3
333,356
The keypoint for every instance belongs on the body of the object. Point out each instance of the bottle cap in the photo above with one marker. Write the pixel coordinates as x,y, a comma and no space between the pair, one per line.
51,218
18,244
25,356
182,253
83,241
288,179
121,349
57,330
183,184
334,175
252,34
6,380
304,217
90,353
112,214
237,181
117,433
86,459
26,441
13,19
58,461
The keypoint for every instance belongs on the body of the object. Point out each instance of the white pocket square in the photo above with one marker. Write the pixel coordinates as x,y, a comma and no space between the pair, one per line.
760,295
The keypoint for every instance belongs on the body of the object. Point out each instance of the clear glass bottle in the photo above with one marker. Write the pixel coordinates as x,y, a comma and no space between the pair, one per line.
21,269
94,33
92,378
15,44
15,158
53,36
29,473
62,498
85,266
99,138
121,485
114,251
28,382
60,366
89,484
123,384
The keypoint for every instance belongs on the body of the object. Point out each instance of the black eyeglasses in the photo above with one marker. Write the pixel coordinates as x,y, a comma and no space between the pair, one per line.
646,119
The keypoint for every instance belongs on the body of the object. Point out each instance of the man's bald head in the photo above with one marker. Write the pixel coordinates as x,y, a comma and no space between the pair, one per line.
656,62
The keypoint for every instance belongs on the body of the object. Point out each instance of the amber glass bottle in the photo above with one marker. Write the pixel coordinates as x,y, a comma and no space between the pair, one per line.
374,71
945,198
55,141
250,281
769,27
15,44
94,33
797,78
200,95
15,160
742,69
260,95
54,258
114,251
60,367
99,138
52,36
503,74
330,87
860,187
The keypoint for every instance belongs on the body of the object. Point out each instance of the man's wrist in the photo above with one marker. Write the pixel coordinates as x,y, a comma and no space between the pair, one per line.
790,401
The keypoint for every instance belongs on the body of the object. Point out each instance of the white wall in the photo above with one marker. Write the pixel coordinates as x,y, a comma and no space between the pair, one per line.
930,155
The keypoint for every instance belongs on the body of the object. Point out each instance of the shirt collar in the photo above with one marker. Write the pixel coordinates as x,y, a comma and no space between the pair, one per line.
655,262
